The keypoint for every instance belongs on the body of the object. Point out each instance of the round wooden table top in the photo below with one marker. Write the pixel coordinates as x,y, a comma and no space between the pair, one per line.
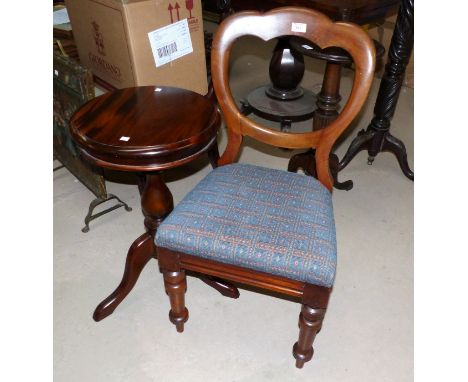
145,128
331,54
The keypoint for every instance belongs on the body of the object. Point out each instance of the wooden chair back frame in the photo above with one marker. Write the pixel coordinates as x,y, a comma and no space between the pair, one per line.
321,30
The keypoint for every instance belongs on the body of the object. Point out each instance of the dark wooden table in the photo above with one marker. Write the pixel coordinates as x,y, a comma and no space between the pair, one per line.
357,11
145,130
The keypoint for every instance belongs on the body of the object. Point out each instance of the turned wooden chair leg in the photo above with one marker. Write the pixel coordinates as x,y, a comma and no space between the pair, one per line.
310,323
176,285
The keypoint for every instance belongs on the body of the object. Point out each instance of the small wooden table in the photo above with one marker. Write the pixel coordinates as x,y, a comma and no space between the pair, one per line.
145,130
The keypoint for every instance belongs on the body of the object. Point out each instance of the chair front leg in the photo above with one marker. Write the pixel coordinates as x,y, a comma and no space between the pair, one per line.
176,286
310,322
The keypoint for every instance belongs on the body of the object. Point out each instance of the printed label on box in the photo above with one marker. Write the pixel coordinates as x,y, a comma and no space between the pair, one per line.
170,42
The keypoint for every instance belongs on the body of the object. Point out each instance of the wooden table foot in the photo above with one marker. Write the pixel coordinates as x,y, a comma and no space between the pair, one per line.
374,142
140,252
306,161
156,203
222,286
396,146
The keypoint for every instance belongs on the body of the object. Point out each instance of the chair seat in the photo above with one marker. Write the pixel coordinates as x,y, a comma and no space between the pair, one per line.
258,218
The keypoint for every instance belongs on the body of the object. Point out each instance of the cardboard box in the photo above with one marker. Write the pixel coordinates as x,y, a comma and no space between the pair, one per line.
112,40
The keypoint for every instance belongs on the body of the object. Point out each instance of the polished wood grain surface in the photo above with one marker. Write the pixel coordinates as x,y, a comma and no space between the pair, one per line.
145,128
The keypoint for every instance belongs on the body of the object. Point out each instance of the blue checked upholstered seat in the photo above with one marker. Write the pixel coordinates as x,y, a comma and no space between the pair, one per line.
259,218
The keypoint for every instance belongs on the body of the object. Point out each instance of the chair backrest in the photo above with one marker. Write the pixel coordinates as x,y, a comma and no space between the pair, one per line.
293,21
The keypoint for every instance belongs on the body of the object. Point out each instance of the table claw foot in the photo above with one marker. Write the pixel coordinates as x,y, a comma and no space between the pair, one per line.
334,169
395,146
140,252
306,161
222,286
361,142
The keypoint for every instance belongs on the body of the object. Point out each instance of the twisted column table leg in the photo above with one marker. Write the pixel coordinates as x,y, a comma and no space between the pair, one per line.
377,137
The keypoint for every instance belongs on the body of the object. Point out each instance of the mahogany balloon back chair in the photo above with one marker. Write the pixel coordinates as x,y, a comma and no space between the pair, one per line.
263,227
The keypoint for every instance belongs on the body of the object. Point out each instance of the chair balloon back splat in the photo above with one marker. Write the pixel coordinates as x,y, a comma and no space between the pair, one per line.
263,227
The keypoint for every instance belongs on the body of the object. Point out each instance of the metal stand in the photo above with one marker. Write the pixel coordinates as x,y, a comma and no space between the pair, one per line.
96,202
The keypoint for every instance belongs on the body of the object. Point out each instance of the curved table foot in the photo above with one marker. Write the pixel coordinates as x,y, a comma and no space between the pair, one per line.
140,252
222,286
375,142
395,146
361,142
334,168
306,161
